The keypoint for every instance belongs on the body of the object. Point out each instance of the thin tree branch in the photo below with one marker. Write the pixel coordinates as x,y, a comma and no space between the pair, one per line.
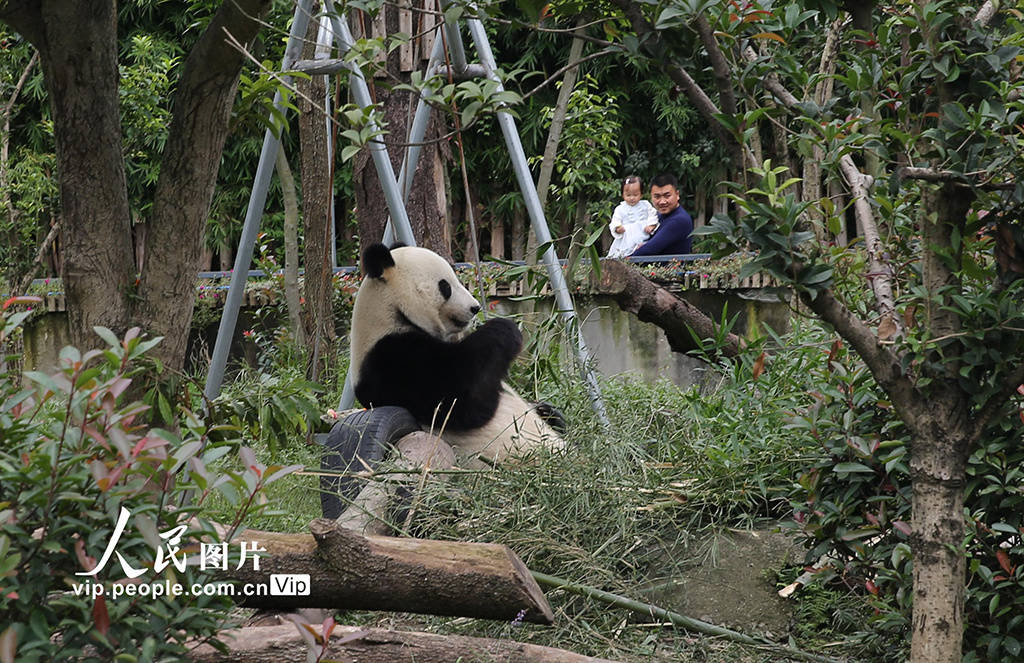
939,176
883,363
5,136
572,65
719,65
881,273
996,402
26,280
655,46
986,13
827,66
771,81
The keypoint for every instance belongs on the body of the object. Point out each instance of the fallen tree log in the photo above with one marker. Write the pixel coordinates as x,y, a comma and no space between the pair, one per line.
349,571
283,644
651,303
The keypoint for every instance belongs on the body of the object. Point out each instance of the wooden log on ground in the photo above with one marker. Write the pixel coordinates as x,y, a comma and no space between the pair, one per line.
349,571
283,644
650,303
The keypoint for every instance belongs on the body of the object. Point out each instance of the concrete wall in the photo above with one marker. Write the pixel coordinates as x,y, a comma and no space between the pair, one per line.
618,341
621,344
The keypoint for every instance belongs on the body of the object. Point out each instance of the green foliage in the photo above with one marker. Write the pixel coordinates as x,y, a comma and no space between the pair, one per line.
852,505
587,150
73,457
773,220
145,88
270,407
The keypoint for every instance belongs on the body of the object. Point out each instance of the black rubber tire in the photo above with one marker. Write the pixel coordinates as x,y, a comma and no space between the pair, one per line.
360,439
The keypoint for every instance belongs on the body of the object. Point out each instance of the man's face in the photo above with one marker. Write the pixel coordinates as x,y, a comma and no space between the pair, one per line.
665,198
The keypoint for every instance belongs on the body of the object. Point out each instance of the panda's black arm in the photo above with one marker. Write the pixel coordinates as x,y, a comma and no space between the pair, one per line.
461,380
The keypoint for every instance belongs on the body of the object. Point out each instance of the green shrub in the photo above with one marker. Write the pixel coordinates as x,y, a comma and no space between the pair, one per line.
73,457
852,503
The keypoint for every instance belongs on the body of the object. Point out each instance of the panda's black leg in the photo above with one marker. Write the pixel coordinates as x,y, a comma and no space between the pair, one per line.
552,416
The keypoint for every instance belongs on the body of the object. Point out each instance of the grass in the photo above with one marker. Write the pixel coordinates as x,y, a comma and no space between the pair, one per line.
674,467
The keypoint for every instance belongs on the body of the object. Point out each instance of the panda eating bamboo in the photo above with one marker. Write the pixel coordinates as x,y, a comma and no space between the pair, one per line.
412,346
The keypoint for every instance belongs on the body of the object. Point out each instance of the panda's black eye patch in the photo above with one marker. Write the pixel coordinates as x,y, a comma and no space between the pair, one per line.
445,288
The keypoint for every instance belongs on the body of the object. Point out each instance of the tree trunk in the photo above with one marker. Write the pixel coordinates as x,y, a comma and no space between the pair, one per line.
80,69
547,164
940,421
283,644
577,232
518,233
938,468
635,294
426,211
226,256
77,42
291,246
350,571
188,172
497,238
317,173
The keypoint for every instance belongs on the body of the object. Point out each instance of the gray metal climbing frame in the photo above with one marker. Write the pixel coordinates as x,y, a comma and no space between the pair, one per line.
396,190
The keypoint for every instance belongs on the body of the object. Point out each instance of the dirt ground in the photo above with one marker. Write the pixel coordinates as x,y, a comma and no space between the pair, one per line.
727,579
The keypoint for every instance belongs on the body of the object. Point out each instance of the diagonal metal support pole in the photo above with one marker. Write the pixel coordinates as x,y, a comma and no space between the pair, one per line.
563,299
378,151
253,215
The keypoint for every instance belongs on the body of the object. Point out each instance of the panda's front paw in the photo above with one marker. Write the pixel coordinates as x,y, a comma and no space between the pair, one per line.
503,335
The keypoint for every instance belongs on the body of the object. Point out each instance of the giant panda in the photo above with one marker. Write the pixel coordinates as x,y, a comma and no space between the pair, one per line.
412,345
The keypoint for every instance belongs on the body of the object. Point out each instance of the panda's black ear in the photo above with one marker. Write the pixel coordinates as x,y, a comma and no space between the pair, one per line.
377,258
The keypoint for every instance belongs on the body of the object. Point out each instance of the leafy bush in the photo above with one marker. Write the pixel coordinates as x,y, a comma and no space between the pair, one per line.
73,457
852,504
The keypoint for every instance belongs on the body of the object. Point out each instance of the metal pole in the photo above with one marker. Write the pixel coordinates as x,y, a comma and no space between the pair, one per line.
253,215
455,48
378,151
533,207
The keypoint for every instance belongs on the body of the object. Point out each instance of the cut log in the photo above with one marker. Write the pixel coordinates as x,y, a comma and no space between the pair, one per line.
350,571
283,644
650,303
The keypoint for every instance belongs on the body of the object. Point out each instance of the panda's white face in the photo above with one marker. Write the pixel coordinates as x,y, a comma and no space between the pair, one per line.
422,288
404,288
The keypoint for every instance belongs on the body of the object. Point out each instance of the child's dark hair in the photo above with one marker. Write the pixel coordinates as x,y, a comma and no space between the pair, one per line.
632,179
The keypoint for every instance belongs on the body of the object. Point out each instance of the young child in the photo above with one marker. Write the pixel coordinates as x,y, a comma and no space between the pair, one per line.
633,220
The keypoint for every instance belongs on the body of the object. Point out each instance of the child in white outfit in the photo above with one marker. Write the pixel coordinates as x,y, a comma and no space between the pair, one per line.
633,220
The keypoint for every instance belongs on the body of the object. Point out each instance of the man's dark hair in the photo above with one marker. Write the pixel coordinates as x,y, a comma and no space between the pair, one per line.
665,179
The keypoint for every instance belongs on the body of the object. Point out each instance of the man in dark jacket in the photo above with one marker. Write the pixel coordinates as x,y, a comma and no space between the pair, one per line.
674,224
